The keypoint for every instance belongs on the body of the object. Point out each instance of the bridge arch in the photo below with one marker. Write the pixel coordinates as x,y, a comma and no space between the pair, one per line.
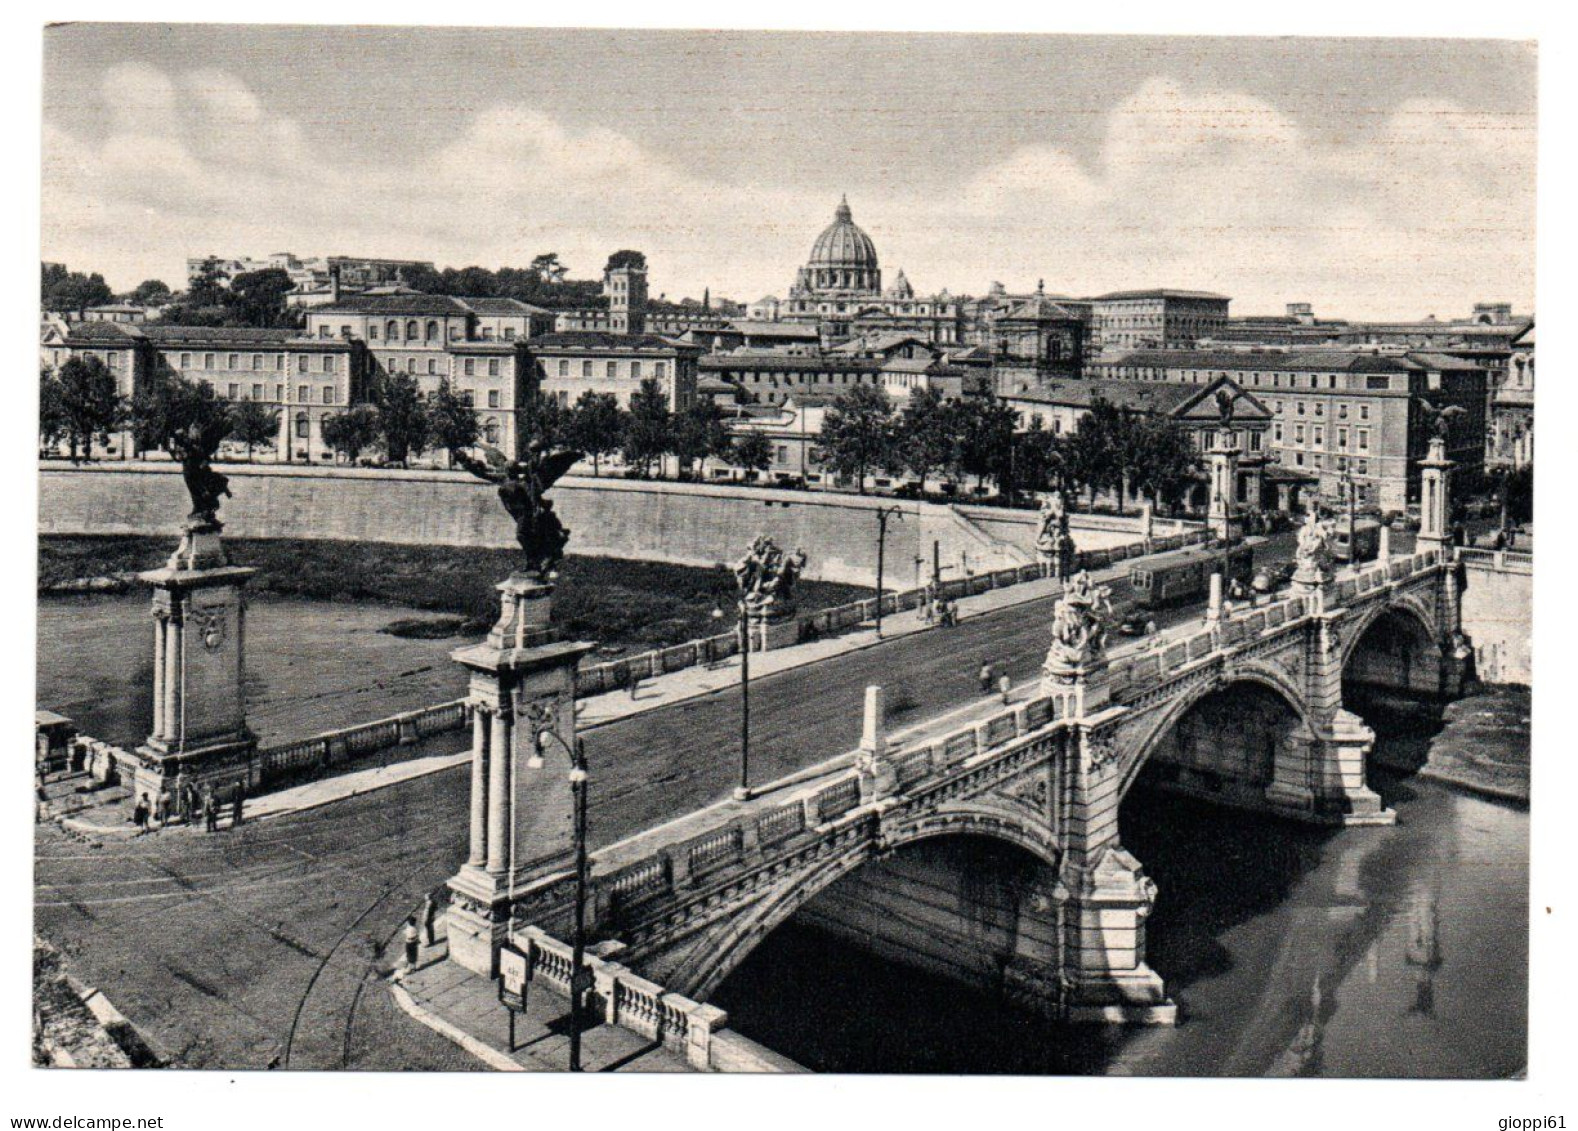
1395,648
742,934
1255,674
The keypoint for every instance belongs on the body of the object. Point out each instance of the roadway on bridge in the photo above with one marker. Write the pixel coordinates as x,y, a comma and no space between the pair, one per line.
261,946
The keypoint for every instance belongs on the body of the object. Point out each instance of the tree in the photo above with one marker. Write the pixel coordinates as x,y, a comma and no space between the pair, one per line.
1087,460
180,416
544,421
150,292
90,404
254,424
752,452
857,433
51,410
353,431
1164,459
257,298
925,442
597,426
404,424
548,267
1038,464
985,430
61,289
207,287
452,422
625,258
648,430
698,432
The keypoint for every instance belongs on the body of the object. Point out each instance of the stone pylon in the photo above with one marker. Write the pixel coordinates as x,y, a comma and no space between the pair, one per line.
522,702
1222,511
199,715
1103,896
1435,497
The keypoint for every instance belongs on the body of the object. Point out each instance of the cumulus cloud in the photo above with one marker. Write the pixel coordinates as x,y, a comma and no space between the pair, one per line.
1429,206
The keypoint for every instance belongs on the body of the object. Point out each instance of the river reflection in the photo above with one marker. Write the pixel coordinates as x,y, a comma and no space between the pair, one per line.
1291,951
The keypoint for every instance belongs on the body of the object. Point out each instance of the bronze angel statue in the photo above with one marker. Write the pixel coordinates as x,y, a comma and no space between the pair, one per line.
1439,420
522,486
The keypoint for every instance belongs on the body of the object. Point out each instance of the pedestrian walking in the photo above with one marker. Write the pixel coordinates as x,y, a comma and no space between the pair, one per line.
1003,685
236,803
161,809
635,684
430,918
140,814
413,944
210,811
985,676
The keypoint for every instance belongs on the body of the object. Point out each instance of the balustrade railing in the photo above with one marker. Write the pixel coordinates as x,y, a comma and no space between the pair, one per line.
621,997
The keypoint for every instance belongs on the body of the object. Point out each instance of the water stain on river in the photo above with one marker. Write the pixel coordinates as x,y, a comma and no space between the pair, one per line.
1291,951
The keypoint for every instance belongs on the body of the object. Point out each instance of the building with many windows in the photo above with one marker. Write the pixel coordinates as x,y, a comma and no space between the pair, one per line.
303,380
1512,407
1339,413
573,363
1155,319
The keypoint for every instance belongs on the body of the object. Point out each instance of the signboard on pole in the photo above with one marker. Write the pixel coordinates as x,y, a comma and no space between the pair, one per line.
512,978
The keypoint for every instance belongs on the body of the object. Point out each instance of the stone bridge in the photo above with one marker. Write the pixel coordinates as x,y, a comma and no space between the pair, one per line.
1246,707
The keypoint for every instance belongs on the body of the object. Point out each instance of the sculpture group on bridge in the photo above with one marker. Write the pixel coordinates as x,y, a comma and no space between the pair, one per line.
1313,556
1079,623
766,577
1053,541
522,486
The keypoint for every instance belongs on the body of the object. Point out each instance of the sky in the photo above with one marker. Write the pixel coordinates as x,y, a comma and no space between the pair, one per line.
1374,178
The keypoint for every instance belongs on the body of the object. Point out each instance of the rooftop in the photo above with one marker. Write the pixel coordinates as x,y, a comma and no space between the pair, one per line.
604,340
775,330
1317,360
1162,292
496,306
418,304
160,334
1170,398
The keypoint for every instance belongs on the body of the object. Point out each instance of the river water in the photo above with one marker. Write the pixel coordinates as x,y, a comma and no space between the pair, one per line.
1290,950
311,666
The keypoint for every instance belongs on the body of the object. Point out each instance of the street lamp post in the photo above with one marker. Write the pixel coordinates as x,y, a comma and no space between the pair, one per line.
1348,488
883,515
742,792
578,789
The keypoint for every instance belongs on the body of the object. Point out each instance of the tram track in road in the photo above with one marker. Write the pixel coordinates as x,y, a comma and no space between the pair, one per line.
323,963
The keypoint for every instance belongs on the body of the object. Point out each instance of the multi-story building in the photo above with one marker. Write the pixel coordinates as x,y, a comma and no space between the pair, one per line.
1035,341
1338,413
625,301
1512,407
791,427
1059,405
303,380
476,345
570,364
1155,319
771,378
354,273
120,346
